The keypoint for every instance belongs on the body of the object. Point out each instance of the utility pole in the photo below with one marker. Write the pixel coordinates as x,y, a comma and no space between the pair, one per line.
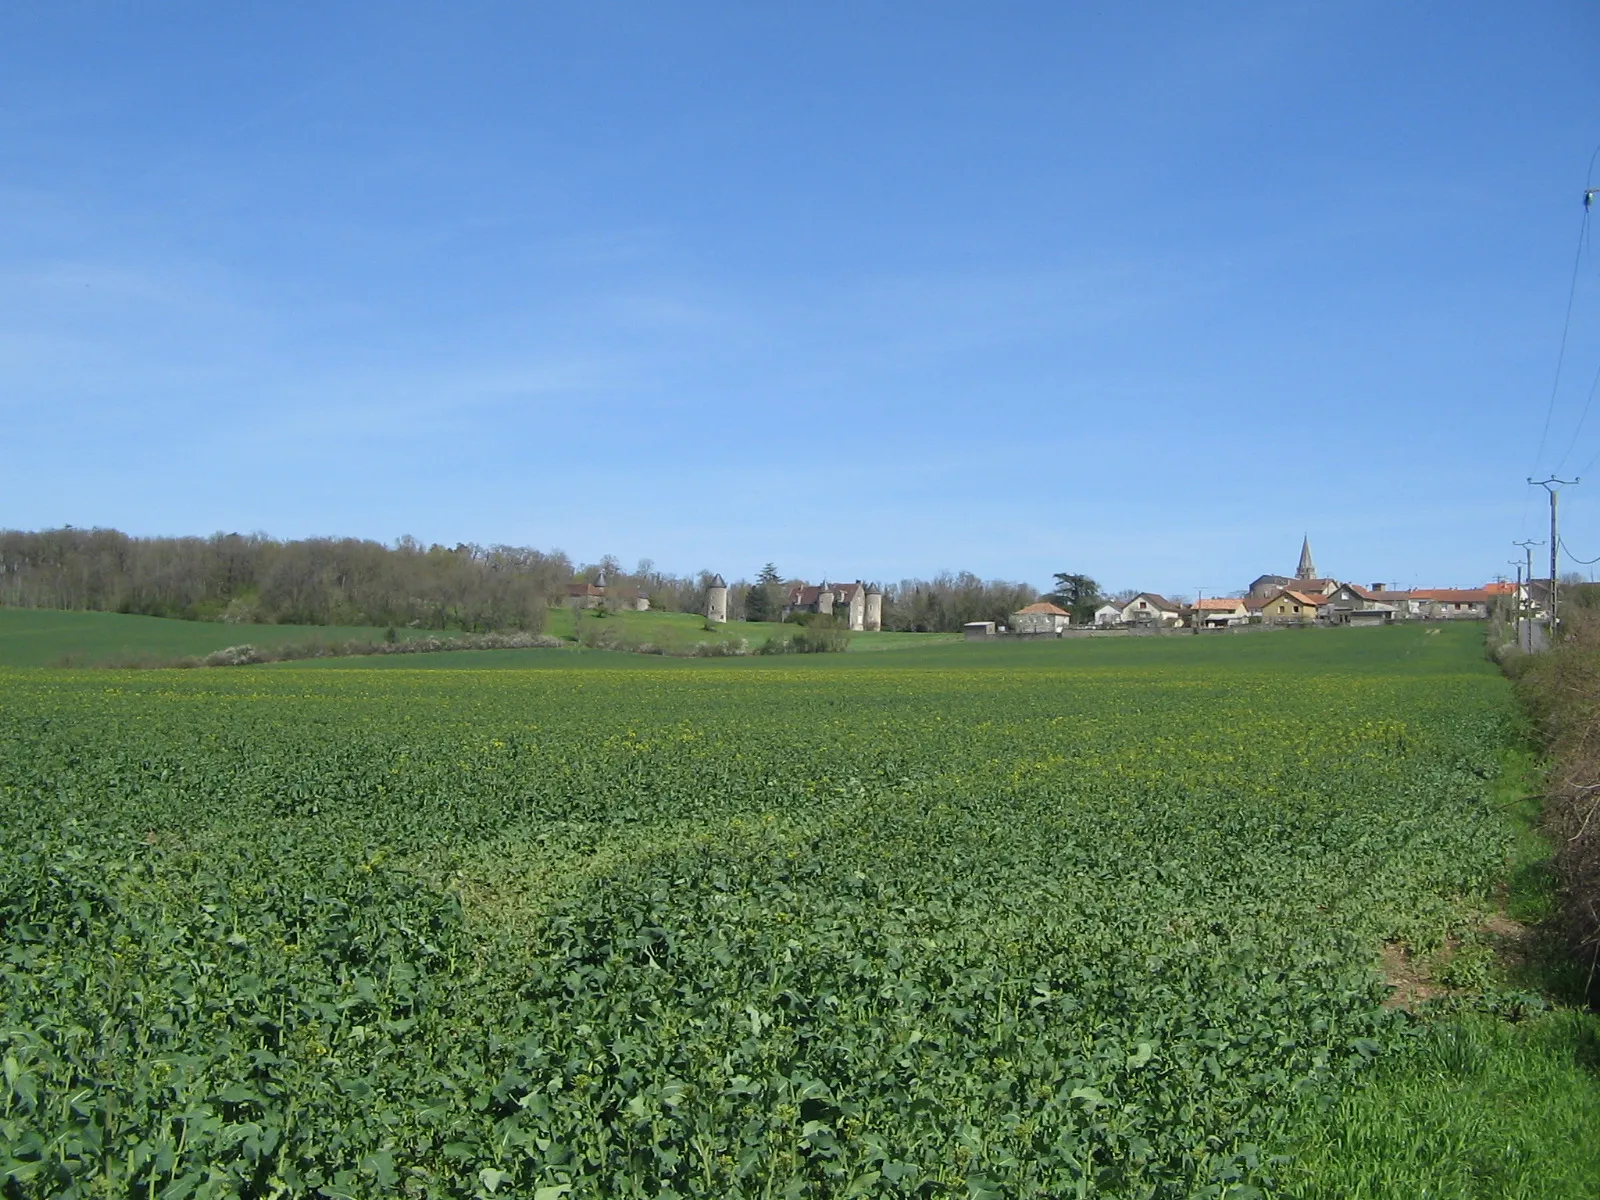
1516,599
1523,618
1553,486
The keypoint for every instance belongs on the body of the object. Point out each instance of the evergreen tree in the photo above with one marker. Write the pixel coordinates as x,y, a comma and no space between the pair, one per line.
762,602
1079,595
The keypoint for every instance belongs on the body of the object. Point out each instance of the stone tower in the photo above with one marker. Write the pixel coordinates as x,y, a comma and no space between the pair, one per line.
1307,568
717,601
825,599
874,619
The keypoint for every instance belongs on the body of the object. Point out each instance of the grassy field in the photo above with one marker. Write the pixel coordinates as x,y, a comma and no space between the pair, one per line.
676,632
48,638
1098,918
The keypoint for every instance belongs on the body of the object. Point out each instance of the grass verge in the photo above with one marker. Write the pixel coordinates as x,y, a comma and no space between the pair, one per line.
1497,1092
1476,1106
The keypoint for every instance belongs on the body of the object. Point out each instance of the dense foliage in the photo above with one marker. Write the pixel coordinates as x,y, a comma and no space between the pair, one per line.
948,601
257,579
1014,921
1561,689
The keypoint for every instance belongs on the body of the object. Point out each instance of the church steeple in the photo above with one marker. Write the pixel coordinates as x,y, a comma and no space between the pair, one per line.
1307,568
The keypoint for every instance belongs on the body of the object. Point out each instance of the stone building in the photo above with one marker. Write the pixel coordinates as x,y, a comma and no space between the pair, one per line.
857,605
603,593
1041,620
1305,580
717,601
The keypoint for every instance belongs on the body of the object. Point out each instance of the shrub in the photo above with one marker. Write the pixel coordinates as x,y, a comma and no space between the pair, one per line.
234,656
731,648
811,620
809,641
1561,688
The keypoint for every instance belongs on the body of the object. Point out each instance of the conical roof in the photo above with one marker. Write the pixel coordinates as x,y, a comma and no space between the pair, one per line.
718,582
1307,568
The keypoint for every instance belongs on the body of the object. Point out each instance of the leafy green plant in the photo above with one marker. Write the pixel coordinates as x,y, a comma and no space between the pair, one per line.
1077,926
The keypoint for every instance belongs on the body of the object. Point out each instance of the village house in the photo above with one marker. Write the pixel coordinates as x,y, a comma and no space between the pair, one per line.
857,605
1289,606
1041,620
1149,608
1347,599
1108,614
1452,604
1219,612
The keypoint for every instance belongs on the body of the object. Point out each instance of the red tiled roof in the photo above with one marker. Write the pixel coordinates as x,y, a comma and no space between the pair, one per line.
1454,595
1297,597
1045,606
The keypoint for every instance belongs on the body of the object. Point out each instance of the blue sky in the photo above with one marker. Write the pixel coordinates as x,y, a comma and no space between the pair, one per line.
1144,291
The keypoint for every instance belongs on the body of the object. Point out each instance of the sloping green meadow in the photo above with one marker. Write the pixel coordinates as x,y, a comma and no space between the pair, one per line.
1063,920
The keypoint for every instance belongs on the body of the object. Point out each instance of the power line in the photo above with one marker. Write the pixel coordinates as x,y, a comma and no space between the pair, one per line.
1582,417
1566,324
1589,464
1582,562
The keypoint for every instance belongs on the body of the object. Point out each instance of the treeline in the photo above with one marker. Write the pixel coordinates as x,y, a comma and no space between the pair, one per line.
948,601
256,579
251,578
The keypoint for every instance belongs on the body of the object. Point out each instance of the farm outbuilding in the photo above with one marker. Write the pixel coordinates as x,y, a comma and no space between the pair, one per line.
1374,614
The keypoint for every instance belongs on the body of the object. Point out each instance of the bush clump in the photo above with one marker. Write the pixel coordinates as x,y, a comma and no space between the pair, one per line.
244,656
1561,688
814,640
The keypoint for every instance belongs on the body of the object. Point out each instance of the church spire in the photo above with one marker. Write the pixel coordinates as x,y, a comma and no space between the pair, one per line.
1307,568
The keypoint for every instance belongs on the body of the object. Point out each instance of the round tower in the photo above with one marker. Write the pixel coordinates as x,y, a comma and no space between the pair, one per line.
874,619
717,601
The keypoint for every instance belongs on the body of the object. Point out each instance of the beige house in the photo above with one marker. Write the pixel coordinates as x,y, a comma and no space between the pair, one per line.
1288,606
1040,620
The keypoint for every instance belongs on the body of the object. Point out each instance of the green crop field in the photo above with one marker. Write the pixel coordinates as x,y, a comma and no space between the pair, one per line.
1094,918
